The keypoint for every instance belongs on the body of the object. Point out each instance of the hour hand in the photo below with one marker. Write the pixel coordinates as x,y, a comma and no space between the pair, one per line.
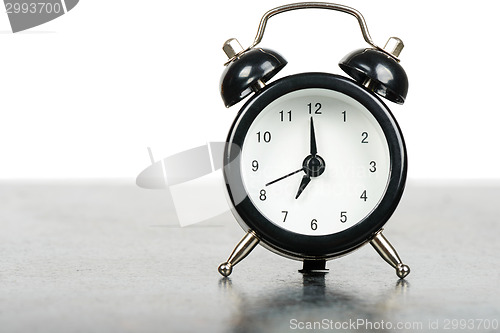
305,181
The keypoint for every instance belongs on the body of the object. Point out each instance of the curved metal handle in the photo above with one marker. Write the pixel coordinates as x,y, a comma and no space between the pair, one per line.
318,5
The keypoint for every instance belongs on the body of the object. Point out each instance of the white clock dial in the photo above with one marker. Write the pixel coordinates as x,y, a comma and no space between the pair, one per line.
352,153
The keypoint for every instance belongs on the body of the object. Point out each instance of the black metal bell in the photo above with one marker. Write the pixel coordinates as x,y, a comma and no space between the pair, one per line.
379,71
242,75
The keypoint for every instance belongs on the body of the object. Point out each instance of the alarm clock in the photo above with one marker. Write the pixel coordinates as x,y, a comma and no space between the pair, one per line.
315,163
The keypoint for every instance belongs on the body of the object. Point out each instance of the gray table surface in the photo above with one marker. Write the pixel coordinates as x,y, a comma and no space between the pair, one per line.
80,256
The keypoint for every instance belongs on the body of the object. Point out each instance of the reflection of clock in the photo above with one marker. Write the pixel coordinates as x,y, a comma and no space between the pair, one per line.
315,162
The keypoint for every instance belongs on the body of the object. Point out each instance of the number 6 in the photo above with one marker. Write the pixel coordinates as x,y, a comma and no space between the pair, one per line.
314,224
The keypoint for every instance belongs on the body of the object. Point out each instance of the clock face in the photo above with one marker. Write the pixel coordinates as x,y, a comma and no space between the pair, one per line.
315,165
315,162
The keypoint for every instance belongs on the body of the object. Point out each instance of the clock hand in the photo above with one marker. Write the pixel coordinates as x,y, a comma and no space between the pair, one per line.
305,180
314,149
281,178
313,165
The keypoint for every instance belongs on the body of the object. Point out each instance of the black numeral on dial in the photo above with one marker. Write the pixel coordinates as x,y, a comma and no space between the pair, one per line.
285,212
363,196
262,195
266,137
314,224
255,165
314,108
343,217
364,137
286,116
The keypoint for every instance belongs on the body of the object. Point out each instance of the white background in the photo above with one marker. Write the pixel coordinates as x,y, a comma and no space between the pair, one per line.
84,95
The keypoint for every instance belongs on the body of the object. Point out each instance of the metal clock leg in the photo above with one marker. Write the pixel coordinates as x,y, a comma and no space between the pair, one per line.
389,254
242,249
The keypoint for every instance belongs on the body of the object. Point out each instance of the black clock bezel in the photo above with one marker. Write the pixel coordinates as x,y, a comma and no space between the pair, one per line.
299,245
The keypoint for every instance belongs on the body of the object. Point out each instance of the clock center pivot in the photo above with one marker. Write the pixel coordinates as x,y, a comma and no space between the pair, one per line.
314,166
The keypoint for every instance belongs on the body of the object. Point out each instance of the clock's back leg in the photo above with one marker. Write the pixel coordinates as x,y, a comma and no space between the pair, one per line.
389,254
242,249
314,267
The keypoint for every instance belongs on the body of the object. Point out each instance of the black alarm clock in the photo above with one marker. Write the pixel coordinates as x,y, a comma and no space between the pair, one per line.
315,163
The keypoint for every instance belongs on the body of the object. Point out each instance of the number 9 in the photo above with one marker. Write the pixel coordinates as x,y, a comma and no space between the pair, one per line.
255,165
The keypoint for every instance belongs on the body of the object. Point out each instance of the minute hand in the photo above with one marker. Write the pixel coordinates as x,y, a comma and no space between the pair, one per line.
314,149
285,176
